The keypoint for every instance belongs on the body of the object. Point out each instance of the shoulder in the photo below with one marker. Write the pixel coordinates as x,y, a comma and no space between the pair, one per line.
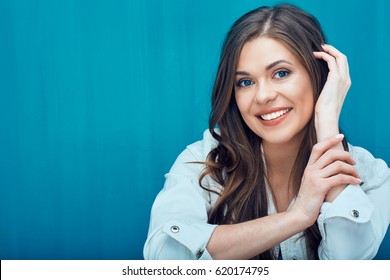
370,168
362,156
202,148
196,152
189,165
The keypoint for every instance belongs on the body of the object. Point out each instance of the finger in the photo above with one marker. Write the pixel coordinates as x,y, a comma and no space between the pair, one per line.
333,51
341,58
321,147
330,60
333,155
339,167
341,179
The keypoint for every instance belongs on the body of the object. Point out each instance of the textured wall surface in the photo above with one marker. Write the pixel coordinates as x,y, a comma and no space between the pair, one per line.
98,97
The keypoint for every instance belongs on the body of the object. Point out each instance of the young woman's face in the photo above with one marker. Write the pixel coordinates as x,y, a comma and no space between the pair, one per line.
273,91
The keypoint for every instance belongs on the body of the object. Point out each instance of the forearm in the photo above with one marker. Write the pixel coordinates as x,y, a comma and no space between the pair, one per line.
248,239
327,126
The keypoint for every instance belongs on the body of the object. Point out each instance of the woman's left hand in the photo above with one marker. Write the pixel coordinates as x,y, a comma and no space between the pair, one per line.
331,99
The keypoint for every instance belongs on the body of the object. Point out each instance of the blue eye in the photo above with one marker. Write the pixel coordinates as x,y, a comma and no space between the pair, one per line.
281,74
244,83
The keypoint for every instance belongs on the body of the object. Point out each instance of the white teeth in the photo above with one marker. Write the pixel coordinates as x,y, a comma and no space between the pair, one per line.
274,115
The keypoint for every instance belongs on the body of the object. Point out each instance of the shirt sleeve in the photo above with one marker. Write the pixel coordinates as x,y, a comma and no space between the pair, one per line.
179,227
355,223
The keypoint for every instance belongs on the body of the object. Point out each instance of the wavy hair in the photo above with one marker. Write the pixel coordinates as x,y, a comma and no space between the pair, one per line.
237,163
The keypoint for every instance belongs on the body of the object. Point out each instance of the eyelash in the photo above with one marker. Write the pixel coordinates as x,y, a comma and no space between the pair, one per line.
287,72
239,83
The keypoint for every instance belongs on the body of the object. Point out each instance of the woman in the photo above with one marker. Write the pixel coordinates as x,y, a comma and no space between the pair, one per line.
275,180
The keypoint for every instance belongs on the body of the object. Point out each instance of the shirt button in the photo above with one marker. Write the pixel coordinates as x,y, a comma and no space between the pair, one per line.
199,253
355,213
175,229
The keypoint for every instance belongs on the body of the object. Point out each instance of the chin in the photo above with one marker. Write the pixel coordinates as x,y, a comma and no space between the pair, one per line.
282,138
277,141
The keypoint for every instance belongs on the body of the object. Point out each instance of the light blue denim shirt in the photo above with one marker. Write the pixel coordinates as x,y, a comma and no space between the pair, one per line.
352,226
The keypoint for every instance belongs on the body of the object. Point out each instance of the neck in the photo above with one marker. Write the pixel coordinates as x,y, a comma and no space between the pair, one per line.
280,158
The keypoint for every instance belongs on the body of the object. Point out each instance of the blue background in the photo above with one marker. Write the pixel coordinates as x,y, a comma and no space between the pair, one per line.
97,99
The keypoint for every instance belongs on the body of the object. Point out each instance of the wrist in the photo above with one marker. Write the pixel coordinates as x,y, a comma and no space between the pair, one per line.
334,192
326,126
298,218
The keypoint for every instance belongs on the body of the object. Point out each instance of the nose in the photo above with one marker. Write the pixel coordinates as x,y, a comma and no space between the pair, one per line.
265,93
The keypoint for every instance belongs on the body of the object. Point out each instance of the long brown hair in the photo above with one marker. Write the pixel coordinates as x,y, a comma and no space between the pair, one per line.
237,163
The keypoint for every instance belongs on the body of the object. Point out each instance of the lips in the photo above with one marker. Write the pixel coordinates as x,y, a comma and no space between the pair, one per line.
273,114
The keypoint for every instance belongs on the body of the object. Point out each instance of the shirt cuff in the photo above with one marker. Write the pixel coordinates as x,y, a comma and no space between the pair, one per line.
193,236
351,204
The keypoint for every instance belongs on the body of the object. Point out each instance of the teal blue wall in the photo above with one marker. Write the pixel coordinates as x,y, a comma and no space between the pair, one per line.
97,99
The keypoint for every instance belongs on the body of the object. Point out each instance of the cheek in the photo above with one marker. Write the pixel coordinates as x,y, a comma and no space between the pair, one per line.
243,103
303,94
307,102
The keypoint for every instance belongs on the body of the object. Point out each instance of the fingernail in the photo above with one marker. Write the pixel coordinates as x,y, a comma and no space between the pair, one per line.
358,181
339,136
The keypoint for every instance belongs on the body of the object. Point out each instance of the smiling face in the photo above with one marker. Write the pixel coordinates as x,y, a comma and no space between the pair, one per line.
273,91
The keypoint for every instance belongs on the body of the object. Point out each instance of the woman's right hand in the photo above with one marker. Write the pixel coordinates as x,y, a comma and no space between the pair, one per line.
327,168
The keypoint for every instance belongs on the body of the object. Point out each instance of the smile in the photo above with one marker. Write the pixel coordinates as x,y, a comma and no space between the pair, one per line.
274,115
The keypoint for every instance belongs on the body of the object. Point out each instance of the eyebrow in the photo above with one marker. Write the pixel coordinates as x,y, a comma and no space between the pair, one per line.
273,64
268,67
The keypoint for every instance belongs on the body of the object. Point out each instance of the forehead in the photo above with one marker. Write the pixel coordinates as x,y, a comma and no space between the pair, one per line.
264,51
